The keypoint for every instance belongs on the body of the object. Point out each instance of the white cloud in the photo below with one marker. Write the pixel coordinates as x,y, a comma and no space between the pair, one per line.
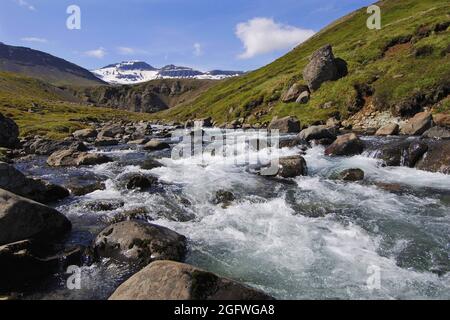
126,50
25,4
97,53
34,39
264,35
198,50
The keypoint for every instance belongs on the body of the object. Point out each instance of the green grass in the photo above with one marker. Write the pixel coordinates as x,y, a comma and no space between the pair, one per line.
42,109
363,49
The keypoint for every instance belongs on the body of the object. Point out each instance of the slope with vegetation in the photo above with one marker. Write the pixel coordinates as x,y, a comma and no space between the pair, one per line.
403,66
43,109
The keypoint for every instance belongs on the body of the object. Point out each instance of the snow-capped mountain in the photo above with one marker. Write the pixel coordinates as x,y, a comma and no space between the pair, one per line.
132,72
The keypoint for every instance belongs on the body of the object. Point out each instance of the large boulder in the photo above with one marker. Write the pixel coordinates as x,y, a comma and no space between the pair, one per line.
345,145
140,243
141,182
351,175
9,132
156,145
168,280
323,67
85,134
44,147
437,157
417,125
317,133
293,166
70,157
442,120
21,219
16,182
437,133
111,131
294,92
285,125
390,129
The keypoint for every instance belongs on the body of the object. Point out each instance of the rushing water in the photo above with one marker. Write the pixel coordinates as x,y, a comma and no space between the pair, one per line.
305,238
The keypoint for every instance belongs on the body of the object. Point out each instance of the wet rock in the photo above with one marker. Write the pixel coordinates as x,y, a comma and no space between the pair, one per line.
294,92
106,142
44,147
390,187
391,129
25,262
150,164
141,182
293,166
285,125
351,175
168,280
21,219
156,145
437,158
415,152
105,205
16,182
417,125
224,197
78,188
85,134
323,67
293,142
345,145
442,120
317,132
139,141
437,133
131,214
140,243
9,132
70,157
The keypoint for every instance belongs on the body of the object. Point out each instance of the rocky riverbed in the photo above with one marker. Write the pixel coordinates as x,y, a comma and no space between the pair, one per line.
339,212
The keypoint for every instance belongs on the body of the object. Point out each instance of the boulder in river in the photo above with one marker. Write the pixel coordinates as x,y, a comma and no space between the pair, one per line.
317,133
156,145
85,134
437,158
140,181
150,164
111,131
417,125
168,280
21,219
9,132
437,133
285,125
16,182
224,197
70,157
351,175
106,142
323,67
391,129
140,243
293,166
345,145
78,188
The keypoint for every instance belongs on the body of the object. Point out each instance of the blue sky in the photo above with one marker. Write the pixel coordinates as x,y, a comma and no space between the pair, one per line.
205,34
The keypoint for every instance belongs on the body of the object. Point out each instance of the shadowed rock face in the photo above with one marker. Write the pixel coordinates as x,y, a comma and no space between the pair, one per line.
22,219
417,125
9,132
167,280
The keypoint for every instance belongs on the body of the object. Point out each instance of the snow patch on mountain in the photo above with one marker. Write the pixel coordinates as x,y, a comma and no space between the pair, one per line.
133,72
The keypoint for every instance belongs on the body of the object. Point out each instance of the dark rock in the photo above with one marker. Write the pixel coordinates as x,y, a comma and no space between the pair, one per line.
351,175
345,145
323,67
294,92
69,157
417,125
139,141
44,147
150,164
16,182
105,205
293,166
415,152
156,145
78,188
21,219
140,243
141,182
285,125
224,197
9,132
106,142
437,158
168,280
317,132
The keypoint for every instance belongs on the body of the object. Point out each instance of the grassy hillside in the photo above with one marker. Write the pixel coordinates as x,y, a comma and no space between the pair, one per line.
43,109
404,59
